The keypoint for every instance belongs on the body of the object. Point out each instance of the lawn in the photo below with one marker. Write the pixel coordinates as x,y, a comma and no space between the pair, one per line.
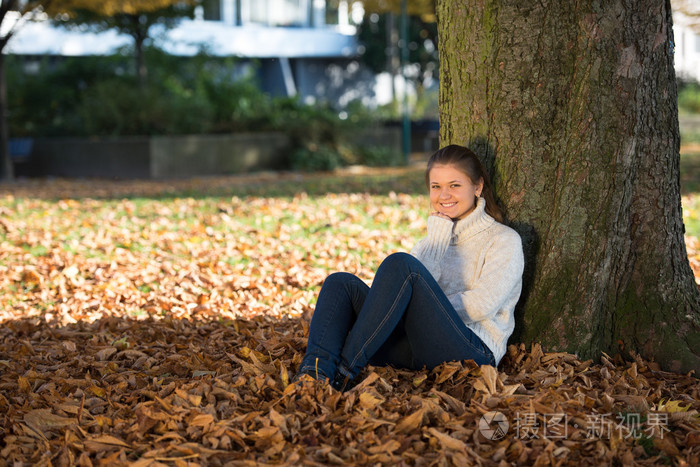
690,189
159,323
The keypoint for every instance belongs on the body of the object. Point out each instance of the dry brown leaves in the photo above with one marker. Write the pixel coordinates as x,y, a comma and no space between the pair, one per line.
192,392
171,338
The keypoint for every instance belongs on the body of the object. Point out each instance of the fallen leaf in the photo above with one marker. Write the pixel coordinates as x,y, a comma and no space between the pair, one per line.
410,422
105,353
43,420
104,442
370,400
206,296
448,441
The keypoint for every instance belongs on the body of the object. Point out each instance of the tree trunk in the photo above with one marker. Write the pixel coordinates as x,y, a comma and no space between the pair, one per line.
573,106
140,36
6,169
392,41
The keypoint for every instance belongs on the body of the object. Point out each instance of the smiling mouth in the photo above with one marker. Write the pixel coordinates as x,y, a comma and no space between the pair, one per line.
447,205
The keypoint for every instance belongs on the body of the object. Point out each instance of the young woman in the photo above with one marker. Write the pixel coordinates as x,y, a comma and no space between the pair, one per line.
451,298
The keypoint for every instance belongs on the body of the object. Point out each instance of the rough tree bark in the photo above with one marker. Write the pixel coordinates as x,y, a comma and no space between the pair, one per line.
573,105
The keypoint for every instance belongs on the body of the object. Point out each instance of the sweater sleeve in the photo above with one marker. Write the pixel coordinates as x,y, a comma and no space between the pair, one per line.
431,250
500,280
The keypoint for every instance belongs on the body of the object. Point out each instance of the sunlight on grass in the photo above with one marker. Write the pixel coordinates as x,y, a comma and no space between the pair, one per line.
691,214
146,250
690,189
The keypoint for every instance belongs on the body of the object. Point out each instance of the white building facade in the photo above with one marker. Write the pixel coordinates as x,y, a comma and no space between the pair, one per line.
686,55
301,47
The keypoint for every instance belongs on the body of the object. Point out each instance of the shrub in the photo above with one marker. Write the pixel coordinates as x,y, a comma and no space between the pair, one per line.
314,157
44,103
97,96
113,107
380,156
689,98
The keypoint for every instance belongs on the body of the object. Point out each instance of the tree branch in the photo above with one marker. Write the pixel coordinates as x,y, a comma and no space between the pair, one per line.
6,6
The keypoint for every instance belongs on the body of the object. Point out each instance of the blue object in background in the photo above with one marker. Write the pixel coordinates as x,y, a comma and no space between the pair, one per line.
21,148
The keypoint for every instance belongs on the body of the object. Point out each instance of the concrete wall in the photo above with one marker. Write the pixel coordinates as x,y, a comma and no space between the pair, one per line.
158,156
379,136
193,155
175,156
86,158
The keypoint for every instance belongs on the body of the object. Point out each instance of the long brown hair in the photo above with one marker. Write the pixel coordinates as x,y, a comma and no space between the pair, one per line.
464,160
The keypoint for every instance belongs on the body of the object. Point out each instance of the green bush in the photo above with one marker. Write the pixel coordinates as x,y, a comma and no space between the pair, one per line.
689,97
314,158
380,156
140,111
202,94
100,96
45,103
323,157
96,96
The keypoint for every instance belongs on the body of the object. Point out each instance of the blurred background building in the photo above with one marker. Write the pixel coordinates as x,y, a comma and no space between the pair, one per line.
686,32
305,48
346,57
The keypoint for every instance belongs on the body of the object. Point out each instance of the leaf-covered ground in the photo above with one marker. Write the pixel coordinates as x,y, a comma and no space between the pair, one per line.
160,323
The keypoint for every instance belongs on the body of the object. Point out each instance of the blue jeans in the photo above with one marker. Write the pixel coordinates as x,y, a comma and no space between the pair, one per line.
404,320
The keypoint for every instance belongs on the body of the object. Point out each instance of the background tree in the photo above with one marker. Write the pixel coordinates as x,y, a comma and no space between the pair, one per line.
132,17
13,13
425,9
6,170
573,105
379,36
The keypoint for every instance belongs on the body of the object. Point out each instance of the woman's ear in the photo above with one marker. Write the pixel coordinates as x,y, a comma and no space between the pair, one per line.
480,187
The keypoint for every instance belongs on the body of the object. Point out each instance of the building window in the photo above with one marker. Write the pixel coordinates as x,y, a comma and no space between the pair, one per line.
212,10
256,11
291,13
332,12
276,12
337,13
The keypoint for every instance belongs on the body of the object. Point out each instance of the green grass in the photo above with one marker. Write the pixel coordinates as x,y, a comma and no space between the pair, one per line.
690,190
129,250
690,172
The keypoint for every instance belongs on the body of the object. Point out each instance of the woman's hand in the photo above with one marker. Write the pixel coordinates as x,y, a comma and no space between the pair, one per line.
440,214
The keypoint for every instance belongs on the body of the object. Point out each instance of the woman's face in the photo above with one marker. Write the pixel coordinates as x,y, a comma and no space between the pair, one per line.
452,192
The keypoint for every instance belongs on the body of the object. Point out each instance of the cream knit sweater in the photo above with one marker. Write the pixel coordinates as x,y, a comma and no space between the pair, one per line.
478,263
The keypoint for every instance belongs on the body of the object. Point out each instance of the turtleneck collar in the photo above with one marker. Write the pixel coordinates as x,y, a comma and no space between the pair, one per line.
475,222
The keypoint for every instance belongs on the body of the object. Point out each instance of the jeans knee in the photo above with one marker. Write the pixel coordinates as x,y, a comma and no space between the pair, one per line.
398,260
338,277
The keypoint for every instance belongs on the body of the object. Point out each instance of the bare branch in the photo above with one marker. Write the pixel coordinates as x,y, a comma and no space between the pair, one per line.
5,6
